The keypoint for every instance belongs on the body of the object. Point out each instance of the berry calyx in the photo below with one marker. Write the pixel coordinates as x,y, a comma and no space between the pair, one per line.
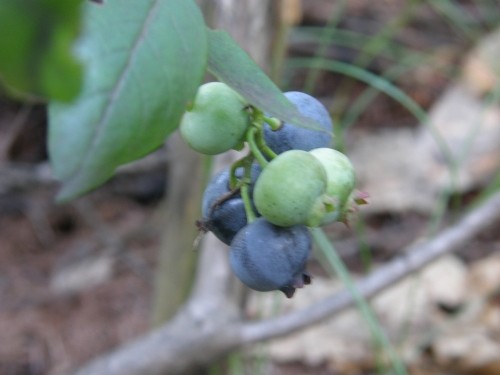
341,181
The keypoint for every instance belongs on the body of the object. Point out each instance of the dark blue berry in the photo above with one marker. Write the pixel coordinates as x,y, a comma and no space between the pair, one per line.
266,257
222,209
290,137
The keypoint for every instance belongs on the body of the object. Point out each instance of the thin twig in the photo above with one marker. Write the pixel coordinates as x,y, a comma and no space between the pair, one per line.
27,177
414,259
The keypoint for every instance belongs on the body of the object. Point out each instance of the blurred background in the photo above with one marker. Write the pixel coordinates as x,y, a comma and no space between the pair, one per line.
414,90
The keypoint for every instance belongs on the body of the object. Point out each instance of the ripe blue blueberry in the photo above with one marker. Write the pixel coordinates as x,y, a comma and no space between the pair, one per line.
290,137
222,209
267,257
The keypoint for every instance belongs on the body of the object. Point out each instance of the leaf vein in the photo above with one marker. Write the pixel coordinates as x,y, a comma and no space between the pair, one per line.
118,87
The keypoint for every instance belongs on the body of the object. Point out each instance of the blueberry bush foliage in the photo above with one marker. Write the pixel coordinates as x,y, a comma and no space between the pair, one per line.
116,93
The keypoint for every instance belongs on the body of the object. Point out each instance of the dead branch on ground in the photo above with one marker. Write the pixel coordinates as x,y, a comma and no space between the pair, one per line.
209,324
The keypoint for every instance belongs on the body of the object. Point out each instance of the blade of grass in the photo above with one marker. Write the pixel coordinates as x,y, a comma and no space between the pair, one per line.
378,42
236,363
383,85
324,40
492,15
387,88
455,18
352,39
359,106
491,99
484,16
362,101
368,315
364,248
374,46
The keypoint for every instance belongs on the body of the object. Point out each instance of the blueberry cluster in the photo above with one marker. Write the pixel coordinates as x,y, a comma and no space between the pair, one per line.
263,205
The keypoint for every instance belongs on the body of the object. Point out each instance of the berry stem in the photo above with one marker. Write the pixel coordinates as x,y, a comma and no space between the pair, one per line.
234,181
273,122
254,147
261,144
243,183
245,195
258,120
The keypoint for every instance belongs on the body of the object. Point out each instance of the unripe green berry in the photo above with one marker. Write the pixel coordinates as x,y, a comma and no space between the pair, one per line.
216,121
341,181
291,188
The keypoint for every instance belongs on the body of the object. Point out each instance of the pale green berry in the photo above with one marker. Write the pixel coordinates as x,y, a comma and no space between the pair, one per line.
341,181
291,189
216,121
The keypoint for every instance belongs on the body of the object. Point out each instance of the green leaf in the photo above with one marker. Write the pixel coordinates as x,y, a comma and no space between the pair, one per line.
36,39
144,61
231,64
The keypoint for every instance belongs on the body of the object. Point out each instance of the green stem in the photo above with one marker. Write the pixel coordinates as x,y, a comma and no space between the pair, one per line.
257,134
254,148
243,183
273,122
234,181
261,144
245,195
